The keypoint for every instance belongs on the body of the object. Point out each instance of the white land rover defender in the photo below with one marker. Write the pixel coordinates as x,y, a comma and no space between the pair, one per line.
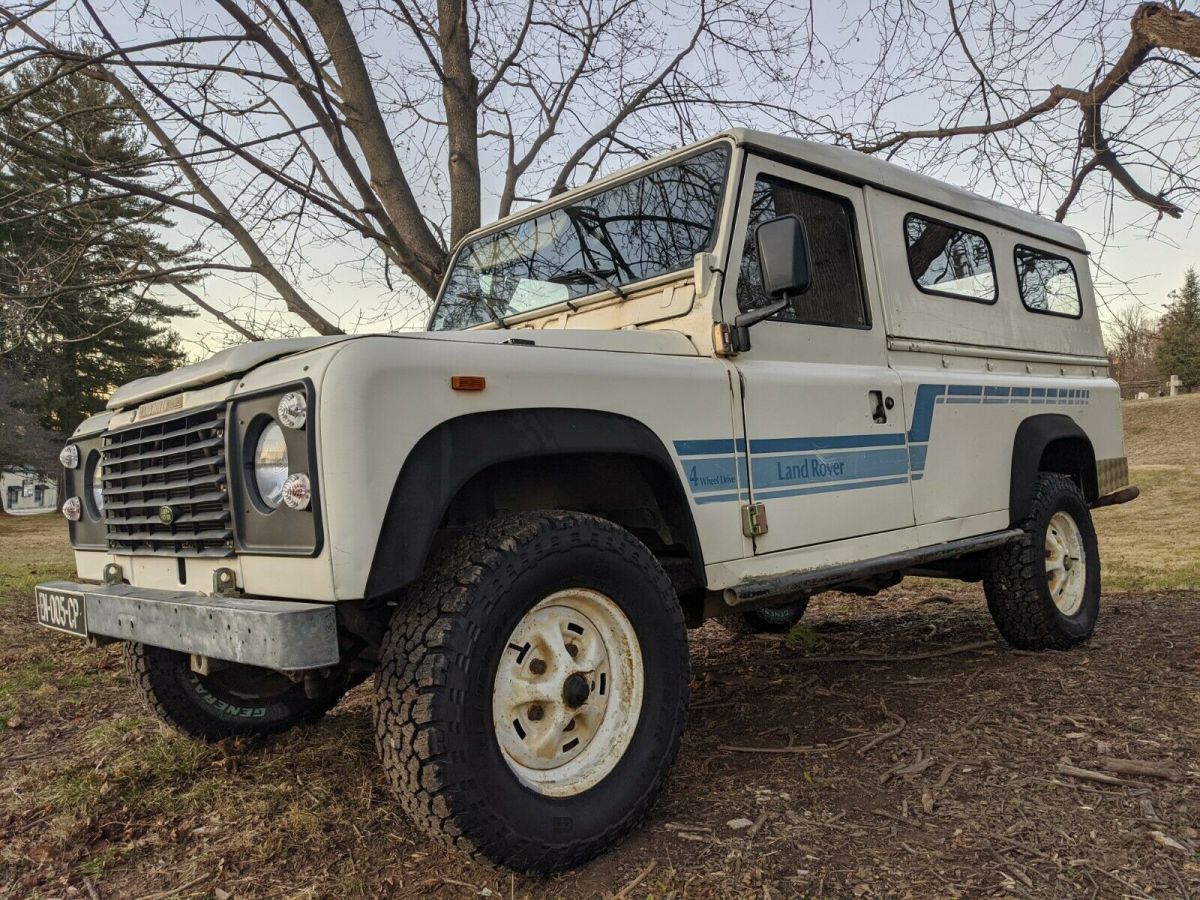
711,385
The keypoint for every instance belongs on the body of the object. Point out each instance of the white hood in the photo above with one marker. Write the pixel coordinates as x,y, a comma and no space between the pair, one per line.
220,366
234,361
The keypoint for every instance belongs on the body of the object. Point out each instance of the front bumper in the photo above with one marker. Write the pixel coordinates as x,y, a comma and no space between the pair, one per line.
273,634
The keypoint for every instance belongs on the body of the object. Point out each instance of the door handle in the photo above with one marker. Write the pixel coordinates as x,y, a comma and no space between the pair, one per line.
878,406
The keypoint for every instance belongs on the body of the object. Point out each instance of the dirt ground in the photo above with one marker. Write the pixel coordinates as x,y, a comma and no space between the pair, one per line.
890,747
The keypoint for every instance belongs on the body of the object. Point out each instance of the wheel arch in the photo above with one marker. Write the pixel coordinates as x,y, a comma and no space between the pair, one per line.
449,468
1051,442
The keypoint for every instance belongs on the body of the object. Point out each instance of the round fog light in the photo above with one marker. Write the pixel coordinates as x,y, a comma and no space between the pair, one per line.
69,456
297,491
72,509
293,409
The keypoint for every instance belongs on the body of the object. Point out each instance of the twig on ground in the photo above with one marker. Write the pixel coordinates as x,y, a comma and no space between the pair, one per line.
641,876
758,823
1089,775
736,748
1140,767
900,657
916,767
901,724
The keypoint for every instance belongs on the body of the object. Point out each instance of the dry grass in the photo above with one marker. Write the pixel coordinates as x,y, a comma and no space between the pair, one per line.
1154,542
32,549
1164,431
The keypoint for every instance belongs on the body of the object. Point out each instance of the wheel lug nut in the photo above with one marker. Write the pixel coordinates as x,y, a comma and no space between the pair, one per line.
535,713
537,666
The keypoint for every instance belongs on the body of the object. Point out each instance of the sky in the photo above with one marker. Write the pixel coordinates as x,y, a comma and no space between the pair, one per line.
1126,255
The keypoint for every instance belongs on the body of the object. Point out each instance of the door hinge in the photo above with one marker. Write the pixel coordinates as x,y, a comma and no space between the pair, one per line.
754,519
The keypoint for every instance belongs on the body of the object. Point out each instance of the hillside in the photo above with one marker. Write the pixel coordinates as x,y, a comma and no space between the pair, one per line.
1154,542
1163,432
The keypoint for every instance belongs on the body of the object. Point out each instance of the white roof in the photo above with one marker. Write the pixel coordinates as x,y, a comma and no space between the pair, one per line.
838,162
846,163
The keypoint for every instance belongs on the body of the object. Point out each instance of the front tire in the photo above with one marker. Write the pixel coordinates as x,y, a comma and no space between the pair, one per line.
533,690
233,701
1043,590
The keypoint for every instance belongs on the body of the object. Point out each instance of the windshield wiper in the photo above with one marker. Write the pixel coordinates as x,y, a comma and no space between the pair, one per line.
598,277
486,302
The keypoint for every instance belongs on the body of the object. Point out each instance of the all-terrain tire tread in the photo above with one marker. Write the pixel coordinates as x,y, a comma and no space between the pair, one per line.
167,700
1014,576
433,632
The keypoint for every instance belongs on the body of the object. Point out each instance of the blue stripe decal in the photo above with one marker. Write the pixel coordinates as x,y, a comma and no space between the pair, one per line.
715,473
786,471
916,457
793,445
721,498
704,448
718,470
827,488
922,420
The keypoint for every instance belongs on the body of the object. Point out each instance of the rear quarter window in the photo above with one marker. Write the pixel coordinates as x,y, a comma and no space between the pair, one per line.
1048,283
948,260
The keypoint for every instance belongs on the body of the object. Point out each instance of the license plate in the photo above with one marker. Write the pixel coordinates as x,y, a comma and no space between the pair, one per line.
61,610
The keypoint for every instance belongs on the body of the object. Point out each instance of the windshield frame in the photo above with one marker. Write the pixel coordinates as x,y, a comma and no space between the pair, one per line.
581,193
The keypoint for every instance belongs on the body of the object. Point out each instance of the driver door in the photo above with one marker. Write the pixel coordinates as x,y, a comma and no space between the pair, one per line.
823,414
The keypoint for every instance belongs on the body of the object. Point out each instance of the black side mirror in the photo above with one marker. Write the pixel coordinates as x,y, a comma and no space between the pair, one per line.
785,265
783,257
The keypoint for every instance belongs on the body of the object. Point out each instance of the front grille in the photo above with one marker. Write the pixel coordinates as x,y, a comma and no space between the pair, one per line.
177,464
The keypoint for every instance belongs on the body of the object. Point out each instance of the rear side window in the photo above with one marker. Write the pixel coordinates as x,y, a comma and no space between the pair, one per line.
836,296
1048,283
951,261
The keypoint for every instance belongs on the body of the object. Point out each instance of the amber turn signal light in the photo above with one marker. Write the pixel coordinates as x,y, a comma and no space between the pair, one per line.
468,382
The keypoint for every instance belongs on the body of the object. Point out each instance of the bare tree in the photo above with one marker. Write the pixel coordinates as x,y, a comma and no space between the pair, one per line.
285,130
1128,111
1131,337
310,143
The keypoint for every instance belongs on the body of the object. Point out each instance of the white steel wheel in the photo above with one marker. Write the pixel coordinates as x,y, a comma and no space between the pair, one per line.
1066,563
568,692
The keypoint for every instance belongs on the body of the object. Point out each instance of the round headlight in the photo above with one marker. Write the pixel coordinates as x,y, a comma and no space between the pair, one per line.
271,465
69,456
93,483
293,409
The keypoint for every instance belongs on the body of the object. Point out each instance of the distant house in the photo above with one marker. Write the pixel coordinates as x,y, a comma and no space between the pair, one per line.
24,491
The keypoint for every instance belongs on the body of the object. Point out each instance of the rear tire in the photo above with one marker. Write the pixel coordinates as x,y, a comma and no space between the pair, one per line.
1043,590
236,700
530,610
778,619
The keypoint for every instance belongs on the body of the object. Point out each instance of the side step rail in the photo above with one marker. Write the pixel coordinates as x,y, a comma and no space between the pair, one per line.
814,580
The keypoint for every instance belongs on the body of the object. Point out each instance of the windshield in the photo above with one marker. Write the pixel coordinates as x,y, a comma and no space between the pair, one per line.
648,226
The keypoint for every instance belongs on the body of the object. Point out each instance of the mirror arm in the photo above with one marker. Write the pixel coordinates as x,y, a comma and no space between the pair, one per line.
740,332
754,316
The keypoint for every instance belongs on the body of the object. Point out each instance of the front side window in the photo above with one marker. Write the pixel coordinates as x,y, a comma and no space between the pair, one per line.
836,296
945,259
1048,283
648,226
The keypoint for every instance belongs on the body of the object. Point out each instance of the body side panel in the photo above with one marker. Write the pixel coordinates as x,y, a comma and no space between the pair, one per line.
381,399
